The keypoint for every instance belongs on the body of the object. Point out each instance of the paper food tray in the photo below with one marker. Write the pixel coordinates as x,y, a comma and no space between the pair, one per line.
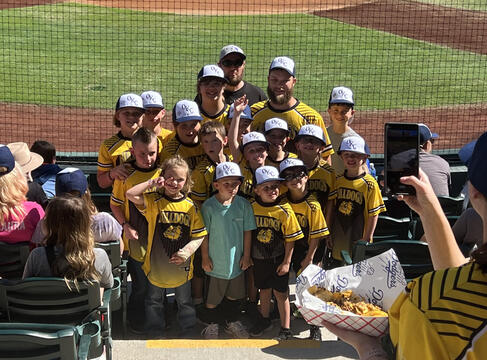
379,280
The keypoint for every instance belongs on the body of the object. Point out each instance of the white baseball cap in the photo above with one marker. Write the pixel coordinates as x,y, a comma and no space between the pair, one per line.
341,95
213,71
275,123
265,174
354,144
312,130
227,169
253,137
284,63
291,163
186,110
129,100
152,99
229,49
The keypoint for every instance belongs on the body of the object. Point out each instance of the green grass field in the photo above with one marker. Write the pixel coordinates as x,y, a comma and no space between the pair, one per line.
460,4
86,56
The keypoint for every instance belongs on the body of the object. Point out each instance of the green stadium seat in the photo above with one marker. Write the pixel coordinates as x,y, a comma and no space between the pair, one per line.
390,228
413,255
452,206
46,341
12,259
54,301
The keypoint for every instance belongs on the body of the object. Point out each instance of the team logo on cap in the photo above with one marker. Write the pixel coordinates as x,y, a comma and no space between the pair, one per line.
130,100
308,130
226,169
350,144
150,98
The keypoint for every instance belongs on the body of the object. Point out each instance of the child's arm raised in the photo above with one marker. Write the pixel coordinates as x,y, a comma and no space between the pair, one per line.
239,106
136,193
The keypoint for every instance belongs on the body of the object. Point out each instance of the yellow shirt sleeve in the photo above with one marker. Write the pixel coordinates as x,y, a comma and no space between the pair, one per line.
290,226
198,228
317,223
104,162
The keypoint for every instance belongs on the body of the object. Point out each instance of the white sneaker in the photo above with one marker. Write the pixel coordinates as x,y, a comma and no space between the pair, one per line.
210,332
237,330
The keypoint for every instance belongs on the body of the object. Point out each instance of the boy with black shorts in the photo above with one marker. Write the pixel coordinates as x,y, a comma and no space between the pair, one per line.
272,249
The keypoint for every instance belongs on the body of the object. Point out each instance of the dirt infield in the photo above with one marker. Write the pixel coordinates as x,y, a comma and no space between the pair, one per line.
74,129
459,29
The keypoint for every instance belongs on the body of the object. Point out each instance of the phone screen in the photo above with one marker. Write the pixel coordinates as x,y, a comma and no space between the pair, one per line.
401,156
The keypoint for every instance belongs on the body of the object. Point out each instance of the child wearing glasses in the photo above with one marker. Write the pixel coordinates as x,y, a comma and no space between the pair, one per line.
226,252
310,218
272,249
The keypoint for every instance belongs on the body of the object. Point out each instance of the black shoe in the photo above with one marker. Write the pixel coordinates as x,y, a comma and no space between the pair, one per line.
284,334
262,325
314,333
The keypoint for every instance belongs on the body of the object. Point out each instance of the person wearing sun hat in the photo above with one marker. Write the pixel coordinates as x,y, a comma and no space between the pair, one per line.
229,220
437,168
19,217
272,248
29,161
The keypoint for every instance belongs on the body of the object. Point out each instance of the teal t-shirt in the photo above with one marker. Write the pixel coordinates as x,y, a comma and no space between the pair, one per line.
226,225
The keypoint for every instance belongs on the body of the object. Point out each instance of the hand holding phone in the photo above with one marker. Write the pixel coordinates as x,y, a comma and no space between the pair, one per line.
401,157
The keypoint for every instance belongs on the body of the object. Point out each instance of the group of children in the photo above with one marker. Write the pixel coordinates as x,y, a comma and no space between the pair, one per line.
214,200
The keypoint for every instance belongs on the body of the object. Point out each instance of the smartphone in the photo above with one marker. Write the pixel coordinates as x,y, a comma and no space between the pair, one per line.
401,156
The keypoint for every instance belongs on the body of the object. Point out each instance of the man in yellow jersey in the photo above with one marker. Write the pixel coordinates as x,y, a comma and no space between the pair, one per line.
282,103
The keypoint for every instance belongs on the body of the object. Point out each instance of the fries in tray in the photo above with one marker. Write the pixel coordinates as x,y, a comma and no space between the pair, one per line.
347,301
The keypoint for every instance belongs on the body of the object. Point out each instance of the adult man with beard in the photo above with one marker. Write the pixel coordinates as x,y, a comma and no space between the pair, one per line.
282,104
232,62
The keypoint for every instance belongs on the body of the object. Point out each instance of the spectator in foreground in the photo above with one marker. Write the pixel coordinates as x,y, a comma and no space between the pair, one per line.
441,314
18,217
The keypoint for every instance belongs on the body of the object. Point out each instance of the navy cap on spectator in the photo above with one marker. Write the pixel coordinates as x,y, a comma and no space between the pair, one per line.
69,180
477,168
425,134
7,161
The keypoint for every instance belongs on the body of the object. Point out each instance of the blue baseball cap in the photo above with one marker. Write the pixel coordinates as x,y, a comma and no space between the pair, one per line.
152,99
186,110
71,179
267,173
7,160
129,100
341,95
477,167
354,144
283,63
425,134
227,169
466,151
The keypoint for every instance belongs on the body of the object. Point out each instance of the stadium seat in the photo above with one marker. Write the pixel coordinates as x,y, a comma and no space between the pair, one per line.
413,255
452,206
55,301
12,259
390,228
396,209
46,341
119,269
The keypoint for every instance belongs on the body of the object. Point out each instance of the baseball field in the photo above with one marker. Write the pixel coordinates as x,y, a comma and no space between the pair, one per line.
63,64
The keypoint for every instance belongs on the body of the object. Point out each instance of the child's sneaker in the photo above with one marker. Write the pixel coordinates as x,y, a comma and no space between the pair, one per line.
263,324
314,333
210,332
237,330
284,334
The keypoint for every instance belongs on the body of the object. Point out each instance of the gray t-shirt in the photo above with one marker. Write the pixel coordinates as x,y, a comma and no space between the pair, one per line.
336,140
468,228
37,265
438,171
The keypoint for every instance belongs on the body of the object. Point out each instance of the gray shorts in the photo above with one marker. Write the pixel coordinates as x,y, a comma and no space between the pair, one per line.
233,289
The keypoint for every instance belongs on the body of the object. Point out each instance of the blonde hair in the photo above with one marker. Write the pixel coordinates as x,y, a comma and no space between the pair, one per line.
68,224
13,188
211,127
178,162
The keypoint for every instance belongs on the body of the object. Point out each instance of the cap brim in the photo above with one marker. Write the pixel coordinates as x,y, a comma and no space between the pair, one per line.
271,179
225,80
154,106
293,167
135,107
233,52
265,143
282,68
341,102
314,137
227,176
434,136
189,118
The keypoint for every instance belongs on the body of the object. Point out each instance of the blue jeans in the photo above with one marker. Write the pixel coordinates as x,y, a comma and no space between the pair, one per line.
136,304
154,308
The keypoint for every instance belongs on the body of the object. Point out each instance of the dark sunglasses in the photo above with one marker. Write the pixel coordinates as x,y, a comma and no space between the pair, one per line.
228,63
295,175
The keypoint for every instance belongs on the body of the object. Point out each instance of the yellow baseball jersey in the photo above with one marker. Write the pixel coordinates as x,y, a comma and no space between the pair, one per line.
221,117
247,187
297,116
113,151
310,218
172,224
276,224
193,154
203,177
357,200
322,182
442,315
164,135
137,248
